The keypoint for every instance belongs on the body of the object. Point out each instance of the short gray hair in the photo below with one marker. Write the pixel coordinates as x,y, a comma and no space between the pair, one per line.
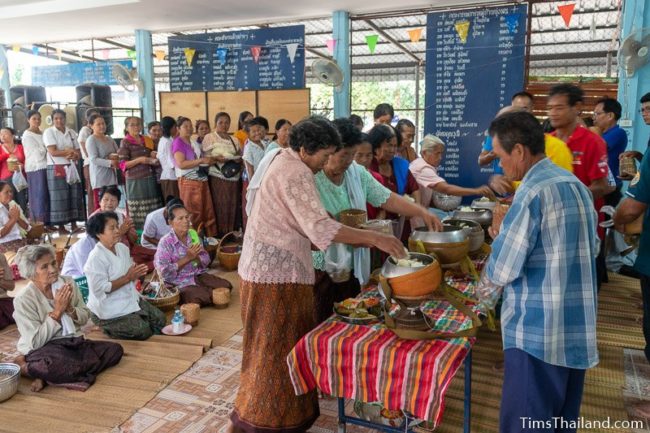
430,142
27,257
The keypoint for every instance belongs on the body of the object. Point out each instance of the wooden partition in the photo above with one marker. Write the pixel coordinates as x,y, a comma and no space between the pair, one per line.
292,105
594,90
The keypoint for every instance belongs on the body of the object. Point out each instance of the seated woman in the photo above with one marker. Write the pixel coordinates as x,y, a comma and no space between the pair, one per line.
109,200
13,224
6,284
49,314
114,303
156,226
425,171
77,256
184,264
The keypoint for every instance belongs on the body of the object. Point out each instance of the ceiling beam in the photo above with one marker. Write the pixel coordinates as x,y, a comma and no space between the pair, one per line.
116,44
52,55
68,52
317,53
393,41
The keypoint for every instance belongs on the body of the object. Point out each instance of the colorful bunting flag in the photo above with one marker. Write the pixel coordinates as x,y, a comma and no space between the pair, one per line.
255,52
160,55
291,49
567,12
462,28
35,50
189,55
221,55
131,54
15,48
371,40
59,51
415,35
512,21
331,45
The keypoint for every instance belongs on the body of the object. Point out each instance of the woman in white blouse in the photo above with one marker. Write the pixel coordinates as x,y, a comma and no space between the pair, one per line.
36,169
13,224
168,180
49,313
66,200
113,300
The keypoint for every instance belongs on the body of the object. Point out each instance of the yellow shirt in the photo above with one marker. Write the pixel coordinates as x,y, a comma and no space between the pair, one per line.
558,152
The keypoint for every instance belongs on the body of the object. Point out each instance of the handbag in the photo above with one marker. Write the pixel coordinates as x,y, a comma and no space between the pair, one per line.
230,168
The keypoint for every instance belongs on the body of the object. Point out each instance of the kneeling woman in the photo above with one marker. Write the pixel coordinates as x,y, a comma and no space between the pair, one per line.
183,263
49,313
112,299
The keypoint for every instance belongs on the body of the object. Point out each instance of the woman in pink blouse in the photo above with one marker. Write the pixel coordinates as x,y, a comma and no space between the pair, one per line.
286,219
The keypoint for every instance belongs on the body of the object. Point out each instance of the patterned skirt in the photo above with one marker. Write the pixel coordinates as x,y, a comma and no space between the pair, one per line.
275,317
198,202
66,201
142,198
226,199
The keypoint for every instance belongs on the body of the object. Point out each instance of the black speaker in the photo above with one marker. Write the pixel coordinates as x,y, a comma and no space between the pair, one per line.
95,96
23,99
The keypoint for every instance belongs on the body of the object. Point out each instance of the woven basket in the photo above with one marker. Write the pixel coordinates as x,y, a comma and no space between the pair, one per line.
228,260
37,231
353,217
221,297
191,312
164,303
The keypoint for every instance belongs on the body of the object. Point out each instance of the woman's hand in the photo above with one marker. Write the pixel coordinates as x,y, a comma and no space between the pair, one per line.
115,164
388,244
431,221
485,191
14,213
207,160
126,226
220,159
153,154
62,299
193,251
136,271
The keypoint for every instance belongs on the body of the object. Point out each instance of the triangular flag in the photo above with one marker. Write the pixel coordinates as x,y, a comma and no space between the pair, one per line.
189,55
15,48
160,55
35,50
415,35
331,45
221,55
255,52
106,54
371,40
512,21
131,54
567,12
462,28
291,49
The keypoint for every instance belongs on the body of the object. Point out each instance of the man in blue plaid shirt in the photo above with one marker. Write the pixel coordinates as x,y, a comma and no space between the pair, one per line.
543,259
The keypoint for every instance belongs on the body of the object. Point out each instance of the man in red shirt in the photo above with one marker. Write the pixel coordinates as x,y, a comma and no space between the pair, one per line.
589,150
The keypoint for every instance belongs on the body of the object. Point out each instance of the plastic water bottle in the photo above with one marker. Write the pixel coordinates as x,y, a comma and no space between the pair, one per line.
177,322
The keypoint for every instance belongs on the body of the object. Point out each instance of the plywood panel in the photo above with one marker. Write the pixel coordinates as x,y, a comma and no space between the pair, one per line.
188,104
232,103
292,105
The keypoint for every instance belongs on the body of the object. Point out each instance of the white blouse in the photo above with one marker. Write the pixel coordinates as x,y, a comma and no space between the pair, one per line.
62,141
16,232
103,267
166,159
35,152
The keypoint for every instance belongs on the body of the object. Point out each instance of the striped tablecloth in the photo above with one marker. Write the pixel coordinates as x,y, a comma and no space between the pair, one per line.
372,364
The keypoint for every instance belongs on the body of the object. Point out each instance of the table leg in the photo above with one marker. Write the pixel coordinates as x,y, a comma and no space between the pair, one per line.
341,425
467,415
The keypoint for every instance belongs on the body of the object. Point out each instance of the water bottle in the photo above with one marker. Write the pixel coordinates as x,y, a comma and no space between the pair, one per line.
177,322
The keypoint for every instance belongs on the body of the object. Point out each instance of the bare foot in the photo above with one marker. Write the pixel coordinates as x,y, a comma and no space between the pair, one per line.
498,367
641,410
37,385
20,360
230,428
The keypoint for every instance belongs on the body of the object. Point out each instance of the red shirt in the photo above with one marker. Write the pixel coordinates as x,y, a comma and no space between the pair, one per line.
589,160
373,211
4,156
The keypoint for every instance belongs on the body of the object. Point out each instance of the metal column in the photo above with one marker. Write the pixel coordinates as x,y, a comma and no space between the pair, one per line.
341,34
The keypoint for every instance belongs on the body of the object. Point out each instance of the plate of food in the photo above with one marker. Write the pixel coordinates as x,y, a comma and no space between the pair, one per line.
359,311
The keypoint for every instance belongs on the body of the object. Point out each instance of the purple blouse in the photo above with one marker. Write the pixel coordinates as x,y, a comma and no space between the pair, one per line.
170,250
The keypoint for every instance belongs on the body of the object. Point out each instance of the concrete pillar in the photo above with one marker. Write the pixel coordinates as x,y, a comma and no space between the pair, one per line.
636,15
144,57
4,82
341,34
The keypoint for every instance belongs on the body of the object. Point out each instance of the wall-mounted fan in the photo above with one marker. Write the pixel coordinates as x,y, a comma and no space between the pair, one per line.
635,51
327,72
46,116
128,79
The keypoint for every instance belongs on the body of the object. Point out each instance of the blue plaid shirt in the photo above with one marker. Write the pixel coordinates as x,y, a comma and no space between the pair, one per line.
544,257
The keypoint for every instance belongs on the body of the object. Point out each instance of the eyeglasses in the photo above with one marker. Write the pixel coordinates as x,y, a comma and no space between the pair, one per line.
598,113
644,110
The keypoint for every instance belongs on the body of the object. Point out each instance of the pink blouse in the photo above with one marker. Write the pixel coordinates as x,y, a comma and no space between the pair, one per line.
286,219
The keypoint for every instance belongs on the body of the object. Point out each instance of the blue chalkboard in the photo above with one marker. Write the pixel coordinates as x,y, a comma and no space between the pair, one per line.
224,61
75,74
467,82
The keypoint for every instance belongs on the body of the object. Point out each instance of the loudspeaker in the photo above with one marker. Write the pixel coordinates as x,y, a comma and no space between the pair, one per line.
23,99
95,96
